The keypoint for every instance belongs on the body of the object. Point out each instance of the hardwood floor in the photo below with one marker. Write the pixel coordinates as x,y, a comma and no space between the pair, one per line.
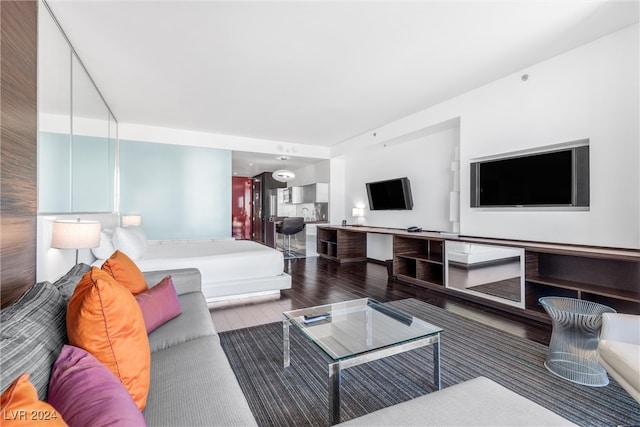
317,281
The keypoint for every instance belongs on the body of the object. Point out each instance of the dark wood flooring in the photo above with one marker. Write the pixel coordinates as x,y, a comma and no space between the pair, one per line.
317,281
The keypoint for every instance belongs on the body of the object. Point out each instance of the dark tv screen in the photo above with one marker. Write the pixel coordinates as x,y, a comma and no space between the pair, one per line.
393,194
534,180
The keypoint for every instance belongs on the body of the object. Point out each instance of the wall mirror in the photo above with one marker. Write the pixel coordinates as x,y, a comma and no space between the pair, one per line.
77,134
488,271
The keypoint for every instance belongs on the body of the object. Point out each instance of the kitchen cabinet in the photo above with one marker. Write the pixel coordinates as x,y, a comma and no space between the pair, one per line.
292,195
315,193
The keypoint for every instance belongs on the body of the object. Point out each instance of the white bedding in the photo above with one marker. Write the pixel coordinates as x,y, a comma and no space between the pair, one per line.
228,267
217,260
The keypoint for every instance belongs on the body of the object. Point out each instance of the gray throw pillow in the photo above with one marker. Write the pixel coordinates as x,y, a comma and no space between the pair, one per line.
67,283
33,333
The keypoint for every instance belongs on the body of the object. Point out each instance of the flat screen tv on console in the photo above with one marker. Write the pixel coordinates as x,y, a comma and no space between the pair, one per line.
392,194
557,178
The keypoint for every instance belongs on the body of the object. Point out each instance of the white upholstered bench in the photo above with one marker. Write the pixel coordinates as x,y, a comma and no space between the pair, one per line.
477,402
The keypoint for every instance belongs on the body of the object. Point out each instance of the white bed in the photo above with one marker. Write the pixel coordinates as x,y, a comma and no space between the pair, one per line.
229,268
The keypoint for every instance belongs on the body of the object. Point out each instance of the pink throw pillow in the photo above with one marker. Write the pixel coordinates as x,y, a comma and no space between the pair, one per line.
159,304
85,392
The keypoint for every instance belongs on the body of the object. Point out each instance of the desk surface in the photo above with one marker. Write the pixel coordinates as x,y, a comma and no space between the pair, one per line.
557,248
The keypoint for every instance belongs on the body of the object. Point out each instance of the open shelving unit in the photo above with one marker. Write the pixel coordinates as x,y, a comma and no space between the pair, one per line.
609,276
341,245
418,260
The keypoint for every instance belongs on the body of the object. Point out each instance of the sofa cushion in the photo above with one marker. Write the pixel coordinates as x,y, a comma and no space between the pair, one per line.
20,406
159,304
623,358
126,272
32,334
194,322
105,319
67,283
87,393
477,402
204,378
185,280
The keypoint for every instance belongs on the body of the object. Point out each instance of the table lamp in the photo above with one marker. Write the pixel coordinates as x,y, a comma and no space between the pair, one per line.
68,234
131,220
357,213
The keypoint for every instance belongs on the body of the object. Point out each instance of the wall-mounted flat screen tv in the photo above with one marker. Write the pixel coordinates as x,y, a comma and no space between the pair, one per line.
558,178
392,194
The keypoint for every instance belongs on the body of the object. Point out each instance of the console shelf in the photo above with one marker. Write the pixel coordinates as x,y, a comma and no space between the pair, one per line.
586,288
341,245
422,257
610,276
418,259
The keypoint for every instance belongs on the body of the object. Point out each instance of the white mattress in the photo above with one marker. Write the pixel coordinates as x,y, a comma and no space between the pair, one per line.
227,267
217,260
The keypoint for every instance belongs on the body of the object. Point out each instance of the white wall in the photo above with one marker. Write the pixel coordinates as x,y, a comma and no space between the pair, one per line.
589,92
337,193
426,161
311,174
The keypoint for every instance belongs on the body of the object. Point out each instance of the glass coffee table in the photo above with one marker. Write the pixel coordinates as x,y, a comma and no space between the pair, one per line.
360,331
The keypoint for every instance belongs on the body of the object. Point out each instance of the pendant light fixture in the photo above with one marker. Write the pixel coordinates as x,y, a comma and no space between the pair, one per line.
283,175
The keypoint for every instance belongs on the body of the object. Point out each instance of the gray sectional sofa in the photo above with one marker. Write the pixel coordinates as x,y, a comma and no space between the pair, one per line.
192,382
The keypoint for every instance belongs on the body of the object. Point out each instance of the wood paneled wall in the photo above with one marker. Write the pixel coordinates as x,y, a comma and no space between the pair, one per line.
18,147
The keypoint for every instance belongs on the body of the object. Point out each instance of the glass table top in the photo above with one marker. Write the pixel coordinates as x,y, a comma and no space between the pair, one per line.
351,328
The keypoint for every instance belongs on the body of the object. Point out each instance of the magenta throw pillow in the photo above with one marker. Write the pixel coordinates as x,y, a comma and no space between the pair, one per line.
86,393
159,304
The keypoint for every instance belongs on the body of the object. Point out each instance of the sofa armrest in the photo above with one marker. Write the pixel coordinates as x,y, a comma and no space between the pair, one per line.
185,280
620,327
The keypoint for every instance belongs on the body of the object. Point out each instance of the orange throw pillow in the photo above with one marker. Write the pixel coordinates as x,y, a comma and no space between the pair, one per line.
126,272
20,406
104,319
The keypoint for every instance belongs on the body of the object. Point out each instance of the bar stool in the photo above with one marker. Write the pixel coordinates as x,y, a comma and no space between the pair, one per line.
287,227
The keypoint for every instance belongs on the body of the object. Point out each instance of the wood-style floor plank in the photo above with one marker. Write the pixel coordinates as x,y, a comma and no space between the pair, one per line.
317,281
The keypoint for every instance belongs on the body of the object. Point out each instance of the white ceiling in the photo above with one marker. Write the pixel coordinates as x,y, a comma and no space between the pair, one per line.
313,72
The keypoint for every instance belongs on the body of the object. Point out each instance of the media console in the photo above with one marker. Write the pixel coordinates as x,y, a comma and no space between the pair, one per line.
610,276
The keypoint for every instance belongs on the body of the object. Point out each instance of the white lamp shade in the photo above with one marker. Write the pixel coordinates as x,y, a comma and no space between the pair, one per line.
75,234
131,220
357,212
283,175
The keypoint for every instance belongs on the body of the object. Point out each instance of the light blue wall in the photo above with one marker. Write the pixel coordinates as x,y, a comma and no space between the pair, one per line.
75,173
181,192
93,172
54,172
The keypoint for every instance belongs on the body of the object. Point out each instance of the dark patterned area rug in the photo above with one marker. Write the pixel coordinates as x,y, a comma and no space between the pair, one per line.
297,396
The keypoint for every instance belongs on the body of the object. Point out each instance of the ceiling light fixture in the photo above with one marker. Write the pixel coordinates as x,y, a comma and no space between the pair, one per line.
283,175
